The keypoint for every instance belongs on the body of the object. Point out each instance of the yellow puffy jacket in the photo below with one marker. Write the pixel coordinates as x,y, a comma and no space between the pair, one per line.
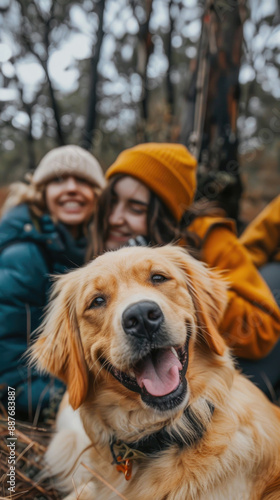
262,236
251,323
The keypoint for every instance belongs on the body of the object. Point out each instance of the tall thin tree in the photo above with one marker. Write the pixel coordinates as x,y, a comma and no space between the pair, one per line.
91,113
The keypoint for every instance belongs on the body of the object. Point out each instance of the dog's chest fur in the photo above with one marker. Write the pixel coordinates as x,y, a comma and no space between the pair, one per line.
228,491
221,466
239,484
217,478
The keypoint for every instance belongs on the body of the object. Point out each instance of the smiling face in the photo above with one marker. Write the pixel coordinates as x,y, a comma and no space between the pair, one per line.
128,217
71,200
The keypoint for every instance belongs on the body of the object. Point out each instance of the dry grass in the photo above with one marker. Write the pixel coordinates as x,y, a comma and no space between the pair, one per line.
30,447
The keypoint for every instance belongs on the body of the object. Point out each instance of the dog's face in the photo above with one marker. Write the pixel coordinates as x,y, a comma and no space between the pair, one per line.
135,315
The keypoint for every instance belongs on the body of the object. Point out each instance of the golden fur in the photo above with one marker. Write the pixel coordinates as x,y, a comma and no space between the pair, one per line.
236,457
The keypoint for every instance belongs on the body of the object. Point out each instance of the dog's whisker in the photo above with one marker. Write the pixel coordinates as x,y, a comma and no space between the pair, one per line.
98,372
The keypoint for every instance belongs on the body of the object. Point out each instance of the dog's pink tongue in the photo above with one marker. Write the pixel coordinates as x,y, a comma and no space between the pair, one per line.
159,373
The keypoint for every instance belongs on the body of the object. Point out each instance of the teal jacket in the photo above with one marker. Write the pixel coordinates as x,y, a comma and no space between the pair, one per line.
30,250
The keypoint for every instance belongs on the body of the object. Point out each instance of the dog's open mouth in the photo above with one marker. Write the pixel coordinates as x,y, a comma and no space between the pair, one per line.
158,372
159,377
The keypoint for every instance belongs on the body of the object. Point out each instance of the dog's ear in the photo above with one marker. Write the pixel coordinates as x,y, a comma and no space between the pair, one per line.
58,349
209,295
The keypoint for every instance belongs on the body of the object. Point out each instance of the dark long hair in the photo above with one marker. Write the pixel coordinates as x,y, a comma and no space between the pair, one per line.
162,226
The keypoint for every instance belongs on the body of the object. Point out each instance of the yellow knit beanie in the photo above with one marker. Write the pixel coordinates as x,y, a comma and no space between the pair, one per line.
169,170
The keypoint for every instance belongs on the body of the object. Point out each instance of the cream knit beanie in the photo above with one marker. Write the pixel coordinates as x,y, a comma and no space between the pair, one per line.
69,160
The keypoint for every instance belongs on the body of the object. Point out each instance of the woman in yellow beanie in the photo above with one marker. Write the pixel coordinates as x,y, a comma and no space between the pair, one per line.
166,175
43,232
150,194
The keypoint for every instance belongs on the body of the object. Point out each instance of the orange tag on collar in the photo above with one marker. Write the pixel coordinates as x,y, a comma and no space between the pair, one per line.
125,467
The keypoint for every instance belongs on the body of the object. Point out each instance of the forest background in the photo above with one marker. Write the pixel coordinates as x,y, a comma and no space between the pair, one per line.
108,74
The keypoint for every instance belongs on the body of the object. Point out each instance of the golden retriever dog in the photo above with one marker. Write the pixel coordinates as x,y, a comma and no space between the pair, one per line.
154,396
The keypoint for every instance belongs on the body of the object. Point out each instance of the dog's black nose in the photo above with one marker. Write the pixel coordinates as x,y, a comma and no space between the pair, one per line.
142,319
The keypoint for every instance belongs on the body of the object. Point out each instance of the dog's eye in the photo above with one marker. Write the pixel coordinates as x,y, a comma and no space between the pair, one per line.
97,302
158,278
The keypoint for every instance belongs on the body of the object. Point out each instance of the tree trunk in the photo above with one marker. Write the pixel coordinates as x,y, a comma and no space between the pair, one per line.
30,140
169,84
91,115
213,139
145,49
55,107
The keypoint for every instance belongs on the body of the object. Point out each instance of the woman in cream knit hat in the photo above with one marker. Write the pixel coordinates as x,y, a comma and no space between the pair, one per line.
44,231
149,198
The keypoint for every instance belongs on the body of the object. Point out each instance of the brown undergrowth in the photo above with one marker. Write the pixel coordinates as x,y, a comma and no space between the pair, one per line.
30,446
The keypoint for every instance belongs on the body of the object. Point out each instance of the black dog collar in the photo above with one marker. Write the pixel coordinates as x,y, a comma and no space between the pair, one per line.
159,441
